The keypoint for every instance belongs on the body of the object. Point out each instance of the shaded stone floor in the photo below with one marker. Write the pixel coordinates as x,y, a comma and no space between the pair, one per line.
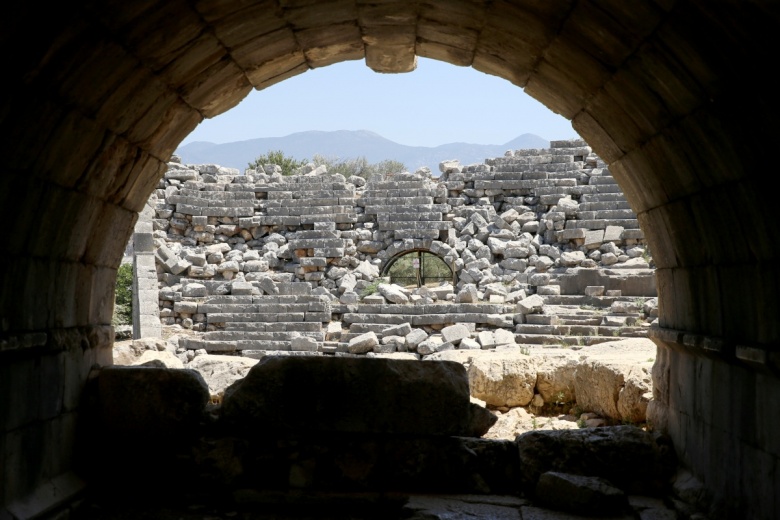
270,506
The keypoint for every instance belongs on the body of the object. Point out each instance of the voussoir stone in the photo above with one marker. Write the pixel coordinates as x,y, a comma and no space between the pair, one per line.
288,395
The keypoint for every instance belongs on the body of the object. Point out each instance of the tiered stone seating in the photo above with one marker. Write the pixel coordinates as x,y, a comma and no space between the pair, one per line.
324,203
213,200
578,325
602,204
406,206
256,324
303,199
376,318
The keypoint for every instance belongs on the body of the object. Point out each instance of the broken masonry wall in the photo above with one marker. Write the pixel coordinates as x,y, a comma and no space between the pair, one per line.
508,227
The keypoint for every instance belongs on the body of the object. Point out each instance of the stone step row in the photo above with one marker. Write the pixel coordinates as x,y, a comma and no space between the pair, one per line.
409,216
369,201
267,307
596,180
508,171
218,211
601,334
413,234
303,210
208,201
414,225
384,183
572,330
211,194
606,214
552,185
377,209
312,243
308,187
574,304
344,196
604,205
313,200
416,310
413,191
297,220
626,223
260,354
248,335
218,317
429,319
602,197
273,326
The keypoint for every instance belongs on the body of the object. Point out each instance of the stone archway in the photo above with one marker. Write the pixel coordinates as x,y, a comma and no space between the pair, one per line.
97,98
420,275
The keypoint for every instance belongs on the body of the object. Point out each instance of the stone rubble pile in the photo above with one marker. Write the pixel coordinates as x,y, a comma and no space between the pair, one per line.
542,245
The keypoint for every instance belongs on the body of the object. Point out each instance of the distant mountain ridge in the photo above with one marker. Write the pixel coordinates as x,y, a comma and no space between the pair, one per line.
348,144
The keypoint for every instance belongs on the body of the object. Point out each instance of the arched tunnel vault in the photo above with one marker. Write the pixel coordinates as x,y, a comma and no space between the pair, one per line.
672,94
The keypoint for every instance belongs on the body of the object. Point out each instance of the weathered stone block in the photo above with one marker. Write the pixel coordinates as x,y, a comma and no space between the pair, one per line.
305,396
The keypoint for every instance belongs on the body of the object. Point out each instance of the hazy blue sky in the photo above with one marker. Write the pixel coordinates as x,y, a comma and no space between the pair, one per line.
437,103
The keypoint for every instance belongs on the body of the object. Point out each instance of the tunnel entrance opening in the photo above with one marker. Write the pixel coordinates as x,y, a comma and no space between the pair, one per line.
95,109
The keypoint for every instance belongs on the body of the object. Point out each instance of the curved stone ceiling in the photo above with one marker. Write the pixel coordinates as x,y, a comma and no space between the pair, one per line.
673,94
657,88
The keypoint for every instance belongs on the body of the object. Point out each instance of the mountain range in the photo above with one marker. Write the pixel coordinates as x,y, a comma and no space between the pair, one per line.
349,144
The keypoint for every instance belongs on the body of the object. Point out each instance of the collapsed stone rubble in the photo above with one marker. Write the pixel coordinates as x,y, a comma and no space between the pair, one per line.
542,246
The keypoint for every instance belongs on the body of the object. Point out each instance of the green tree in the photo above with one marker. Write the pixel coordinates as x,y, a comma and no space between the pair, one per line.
388,166
346,167
358,166
123,308
288,164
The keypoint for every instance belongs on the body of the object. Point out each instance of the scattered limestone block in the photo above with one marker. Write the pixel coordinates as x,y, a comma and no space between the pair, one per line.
363,343
415,337
532,304
594,290
504,337
455,333
393,293
194,290
303,344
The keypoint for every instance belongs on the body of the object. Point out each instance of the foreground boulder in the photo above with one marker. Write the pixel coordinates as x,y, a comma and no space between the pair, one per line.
503,381
136,401
577,493
289,395
615,381
219,372
631,459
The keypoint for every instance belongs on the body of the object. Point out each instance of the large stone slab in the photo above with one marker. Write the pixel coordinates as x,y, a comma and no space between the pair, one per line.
503,380
133,401
634,460
288,395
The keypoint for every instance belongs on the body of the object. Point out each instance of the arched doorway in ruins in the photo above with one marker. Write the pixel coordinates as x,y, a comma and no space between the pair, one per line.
418,268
